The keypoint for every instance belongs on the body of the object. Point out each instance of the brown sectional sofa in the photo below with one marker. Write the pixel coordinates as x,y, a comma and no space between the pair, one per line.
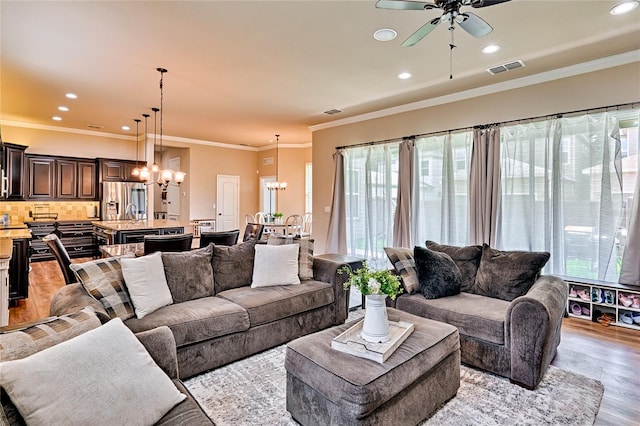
235,322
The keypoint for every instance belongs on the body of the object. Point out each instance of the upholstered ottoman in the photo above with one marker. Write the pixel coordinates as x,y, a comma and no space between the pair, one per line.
326,386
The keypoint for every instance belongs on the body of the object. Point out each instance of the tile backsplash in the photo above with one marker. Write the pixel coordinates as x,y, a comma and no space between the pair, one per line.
72,210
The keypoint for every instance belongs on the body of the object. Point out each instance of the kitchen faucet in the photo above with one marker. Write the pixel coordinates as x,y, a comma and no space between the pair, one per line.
128,212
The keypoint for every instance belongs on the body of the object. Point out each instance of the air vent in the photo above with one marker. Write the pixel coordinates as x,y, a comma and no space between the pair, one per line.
95,126
333,111
267,161
506,67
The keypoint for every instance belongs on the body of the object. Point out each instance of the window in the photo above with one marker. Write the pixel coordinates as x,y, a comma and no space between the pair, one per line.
308,187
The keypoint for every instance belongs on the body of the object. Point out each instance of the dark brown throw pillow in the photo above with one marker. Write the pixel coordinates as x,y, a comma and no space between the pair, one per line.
508,274
233,265
438,275
466,259
189,273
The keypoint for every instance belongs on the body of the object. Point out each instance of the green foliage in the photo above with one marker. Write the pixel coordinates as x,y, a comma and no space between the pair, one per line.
278,214
368,281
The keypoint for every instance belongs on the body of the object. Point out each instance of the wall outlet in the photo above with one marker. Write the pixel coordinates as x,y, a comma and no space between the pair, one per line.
327,209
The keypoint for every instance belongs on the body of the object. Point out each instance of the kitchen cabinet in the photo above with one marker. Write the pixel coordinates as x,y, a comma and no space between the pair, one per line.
75,235
19,270
40,177
118,170
61,178
13,168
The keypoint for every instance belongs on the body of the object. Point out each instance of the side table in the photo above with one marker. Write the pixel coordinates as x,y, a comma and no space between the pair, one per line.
354,263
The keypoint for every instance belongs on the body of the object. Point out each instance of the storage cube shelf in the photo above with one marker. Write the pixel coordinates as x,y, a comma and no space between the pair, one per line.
591,300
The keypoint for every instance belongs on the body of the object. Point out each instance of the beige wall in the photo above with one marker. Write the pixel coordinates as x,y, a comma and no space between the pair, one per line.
601,88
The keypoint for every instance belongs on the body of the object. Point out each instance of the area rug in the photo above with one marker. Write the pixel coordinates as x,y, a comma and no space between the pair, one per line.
252,392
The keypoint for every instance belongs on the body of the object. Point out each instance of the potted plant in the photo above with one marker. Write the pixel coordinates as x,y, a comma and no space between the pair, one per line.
375,286
278,217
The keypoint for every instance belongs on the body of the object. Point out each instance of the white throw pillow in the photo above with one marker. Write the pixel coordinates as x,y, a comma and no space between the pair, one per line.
102,377
275,265
146,282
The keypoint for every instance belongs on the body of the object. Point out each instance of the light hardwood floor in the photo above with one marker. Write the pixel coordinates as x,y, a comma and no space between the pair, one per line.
609,354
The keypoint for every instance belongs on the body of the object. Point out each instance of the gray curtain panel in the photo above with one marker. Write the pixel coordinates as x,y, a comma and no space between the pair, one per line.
402,218
484,186
337,232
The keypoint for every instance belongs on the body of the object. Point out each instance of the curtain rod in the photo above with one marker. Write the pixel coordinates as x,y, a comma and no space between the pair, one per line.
629,105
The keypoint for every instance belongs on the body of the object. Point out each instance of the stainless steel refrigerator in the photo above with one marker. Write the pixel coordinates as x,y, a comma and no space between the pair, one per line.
123,201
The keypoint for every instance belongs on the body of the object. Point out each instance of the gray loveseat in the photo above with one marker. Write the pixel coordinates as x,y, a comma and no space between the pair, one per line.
219,325
514,338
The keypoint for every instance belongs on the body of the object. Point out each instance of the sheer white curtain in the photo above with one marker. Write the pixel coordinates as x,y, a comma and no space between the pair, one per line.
371,179
562,193
630,234
440,189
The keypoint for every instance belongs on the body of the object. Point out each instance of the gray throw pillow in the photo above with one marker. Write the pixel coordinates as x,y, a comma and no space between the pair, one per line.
402,260
305,256
233,265
466,258
189,274
508,274
438,275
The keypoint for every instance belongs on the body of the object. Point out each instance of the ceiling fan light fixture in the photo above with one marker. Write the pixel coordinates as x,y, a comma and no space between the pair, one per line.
492,48
624,7
385,34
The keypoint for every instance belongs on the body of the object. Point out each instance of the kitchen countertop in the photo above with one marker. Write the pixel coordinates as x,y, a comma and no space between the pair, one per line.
12,234
127,225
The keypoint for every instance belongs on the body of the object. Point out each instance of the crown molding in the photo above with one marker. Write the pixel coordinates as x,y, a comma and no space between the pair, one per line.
543,77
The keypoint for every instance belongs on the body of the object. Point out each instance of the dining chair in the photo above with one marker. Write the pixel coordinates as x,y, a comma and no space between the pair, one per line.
293,224
62,256
220,238
261,217
253,230
173,243
306,225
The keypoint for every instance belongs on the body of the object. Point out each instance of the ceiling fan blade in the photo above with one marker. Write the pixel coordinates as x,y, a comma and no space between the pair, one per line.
421,33
404,5
485,3
475,25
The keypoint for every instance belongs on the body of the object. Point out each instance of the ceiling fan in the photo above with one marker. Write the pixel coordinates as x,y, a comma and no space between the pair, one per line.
470,22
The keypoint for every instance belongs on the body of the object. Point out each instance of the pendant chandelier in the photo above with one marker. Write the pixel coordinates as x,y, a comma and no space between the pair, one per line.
164,176
136,170
277,185
144,172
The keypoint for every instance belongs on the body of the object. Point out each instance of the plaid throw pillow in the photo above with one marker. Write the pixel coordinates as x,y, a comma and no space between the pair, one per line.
102,278
402,260
305,255
21,343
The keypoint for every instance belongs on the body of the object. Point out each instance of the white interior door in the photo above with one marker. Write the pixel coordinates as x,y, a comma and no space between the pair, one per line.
173,193
227,202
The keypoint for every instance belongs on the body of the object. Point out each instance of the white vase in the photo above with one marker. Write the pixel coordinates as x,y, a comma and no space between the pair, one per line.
376,324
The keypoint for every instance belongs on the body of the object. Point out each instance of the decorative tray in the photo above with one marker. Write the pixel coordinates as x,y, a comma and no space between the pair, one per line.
350,341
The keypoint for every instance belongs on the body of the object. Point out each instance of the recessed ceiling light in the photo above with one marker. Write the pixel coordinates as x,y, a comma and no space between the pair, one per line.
56,118
492,48
71,96
385,34
404,75
125,128
624,7
63,108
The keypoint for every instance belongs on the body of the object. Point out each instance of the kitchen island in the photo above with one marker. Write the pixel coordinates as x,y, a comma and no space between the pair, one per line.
130,231
14,267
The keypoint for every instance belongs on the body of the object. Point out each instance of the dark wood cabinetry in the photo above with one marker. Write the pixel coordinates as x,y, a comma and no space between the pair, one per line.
40,177
61,178
137,235
13,167
118,170
75,235
19,270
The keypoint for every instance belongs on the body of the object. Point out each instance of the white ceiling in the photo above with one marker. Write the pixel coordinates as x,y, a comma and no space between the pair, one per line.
241,71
